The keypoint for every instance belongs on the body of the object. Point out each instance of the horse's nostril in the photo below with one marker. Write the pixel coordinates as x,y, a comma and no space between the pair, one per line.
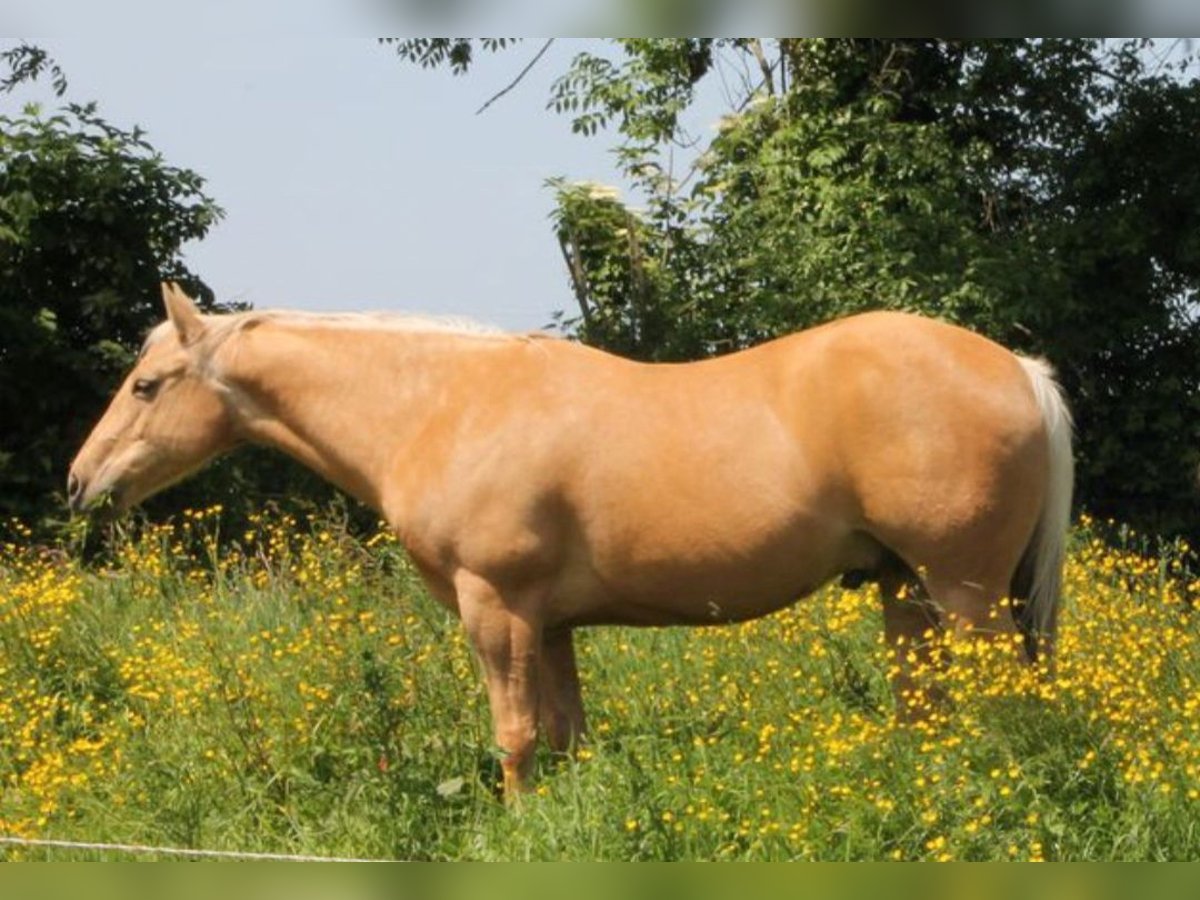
72,486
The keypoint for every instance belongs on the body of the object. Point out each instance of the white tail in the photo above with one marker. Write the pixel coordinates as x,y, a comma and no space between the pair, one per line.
1042,567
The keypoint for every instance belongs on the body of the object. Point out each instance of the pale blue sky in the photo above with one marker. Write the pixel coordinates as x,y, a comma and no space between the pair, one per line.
350,179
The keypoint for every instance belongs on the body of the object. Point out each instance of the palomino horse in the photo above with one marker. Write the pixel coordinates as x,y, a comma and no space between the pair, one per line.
540,485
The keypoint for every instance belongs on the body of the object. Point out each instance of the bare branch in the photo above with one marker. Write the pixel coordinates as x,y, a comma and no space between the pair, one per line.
756,48
512,84
571,251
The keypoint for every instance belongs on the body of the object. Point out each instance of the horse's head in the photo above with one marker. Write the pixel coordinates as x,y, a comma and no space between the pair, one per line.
166,420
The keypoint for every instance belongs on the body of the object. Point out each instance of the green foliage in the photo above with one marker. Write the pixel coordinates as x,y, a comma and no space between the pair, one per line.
91,218
457,53
26,62
645,94
621,265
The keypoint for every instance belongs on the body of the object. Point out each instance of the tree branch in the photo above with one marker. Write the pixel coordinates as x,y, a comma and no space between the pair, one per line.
26,63
570,251
756,48
512,84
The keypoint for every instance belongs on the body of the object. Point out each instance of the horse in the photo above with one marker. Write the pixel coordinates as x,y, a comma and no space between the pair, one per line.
540,485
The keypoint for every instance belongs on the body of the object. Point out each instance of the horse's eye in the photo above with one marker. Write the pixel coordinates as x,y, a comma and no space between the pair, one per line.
145,388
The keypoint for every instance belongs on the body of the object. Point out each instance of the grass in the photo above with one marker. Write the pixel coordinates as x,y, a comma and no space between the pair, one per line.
294,690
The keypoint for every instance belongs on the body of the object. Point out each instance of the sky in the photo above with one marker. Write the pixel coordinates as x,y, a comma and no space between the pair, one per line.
351,179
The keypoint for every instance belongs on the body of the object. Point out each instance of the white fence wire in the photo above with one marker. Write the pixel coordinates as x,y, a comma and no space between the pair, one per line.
181,852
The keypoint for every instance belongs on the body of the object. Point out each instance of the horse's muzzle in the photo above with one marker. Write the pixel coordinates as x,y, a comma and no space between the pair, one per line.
74,492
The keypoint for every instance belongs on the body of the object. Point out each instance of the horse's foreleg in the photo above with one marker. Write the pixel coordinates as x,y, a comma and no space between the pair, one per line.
508,639
561,706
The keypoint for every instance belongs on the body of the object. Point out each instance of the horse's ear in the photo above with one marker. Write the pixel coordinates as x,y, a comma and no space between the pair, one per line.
183,313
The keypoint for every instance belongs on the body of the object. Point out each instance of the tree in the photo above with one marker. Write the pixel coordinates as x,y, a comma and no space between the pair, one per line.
91,219
1043,192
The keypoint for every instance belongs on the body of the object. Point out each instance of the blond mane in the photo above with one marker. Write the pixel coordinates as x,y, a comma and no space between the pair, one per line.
222,326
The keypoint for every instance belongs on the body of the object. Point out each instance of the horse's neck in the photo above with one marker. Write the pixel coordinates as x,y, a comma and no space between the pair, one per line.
343,402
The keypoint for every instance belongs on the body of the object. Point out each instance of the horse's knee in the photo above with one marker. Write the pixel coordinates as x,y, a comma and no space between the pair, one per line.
517,740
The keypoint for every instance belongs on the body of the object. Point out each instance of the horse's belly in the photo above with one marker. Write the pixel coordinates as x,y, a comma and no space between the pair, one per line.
695,597
709,579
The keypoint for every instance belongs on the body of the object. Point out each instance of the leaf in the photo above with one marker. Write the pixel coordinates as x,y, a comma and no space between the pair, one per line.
47,320
826,156
451,787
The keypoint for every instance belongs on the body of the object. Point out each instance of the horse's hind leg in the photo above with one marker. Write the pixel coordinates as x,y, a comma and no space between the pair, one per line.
916,614
911,629
561,705
977,609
